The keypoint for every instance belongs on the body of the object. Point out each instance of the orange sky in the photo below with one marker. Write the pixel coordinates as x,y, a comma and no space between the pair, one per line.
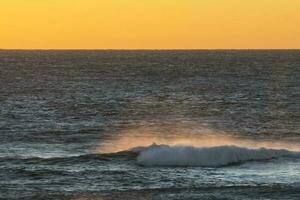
149,24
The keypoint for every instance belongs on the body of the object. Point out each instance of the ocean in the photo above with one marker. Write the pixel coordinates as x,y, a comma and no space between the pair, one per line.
150,124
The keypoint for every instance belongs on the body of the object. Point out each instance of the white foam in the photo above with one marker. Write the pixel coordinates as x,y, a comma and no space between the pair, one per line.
165,155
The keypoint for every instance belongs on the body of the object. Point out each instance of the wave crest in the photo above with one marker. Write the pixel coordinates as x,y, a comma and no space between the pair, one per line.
165,155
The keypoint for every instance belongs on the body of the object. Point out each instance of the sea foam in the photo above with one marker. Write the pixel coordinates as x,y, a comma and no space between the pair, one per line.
165,155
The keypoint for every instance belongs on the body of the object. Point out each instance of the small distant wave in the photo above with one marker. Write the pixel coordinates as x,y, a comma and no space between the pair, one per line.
165,155
129,155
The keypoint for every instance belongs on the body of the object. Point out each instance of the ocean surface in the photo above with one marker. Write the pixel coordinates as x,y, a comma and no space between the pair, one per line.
150,124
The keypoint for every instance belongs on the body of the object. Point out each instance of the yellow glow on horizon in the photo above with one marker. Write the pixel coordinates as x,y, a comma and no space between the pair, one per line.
149,24
176,135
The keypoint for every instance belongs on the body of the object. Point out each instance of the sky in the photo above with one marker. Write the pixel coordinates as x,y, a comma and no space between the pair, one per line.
149,24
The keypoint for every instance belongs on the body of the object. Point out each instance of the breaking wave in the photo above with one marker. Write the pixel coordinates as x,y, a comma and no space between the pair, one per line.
165,155
170,155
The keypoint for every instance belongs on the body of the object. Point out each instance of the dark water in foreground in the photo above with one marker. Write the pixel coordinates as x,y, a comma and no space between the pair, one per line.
63,113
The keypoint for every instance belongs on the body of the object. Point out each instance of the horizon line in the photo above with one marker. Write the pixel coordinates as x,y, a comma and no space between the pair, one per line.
140,49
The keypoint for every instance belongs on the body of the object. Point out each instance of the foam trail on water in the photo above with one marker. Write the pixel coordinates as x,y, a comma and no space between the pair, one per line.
165,155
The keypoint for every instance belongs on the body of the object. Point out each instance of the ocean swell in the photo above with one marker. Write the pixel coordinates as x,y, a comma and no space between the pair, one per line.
165,155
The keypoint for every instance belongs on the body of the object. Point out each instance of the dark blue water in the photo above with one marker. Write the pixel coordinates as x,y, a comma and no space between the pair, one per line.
59,111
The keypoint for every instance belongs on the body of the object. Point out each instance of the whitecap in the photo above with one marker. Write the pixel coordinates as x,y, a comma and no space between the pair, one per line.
165,155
